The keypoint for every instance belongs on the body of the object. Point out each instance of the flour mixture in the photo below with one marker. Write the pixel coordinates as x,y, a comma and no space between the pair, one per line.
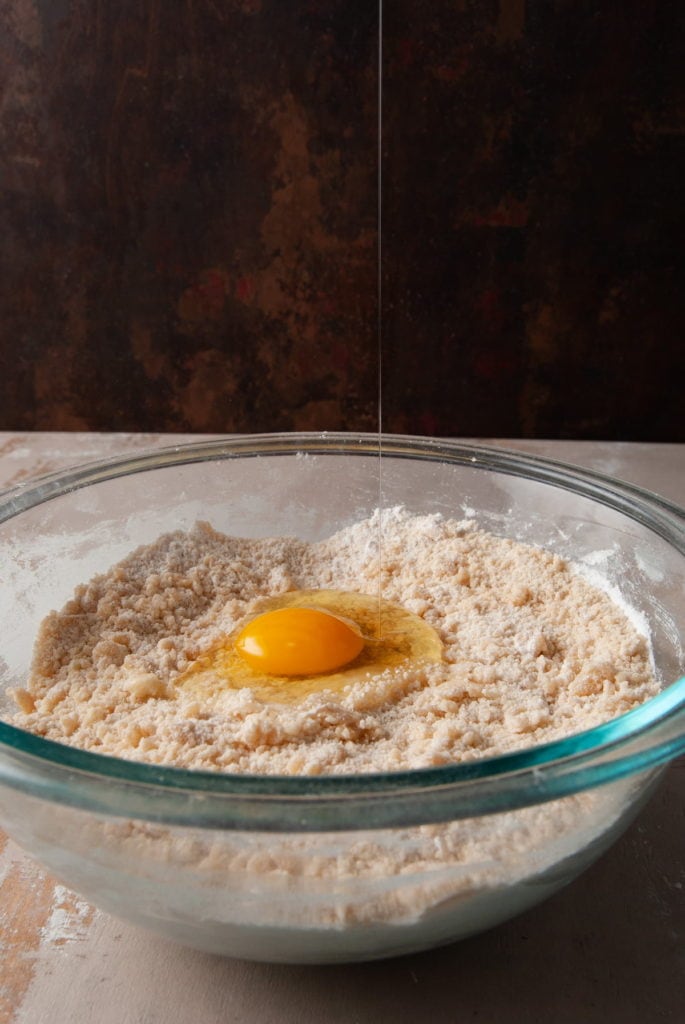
530,652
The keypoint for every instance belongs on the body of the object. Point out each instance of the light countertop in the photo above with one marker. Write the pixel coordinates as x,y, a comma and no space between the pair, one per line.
609,949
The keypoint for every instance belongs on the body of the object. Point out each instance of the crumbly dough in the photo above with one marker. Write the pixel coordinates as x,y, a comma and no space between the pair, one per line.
533,652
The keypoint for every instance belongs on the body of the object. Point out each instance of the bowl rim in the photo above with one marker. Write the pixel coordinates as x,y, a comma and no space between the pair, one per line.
638,740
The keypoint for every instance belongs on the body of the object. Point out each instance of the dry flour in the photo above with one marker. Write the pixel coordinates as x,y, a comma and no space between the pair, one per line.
532,652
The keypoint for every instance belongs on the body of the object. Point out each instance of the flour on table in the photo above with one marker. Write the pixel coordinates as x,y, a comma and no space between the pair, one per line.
532,652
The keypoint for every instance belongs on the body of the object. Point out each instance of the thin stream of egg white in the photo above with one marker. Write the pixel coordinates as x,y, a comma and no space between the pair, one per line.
379,324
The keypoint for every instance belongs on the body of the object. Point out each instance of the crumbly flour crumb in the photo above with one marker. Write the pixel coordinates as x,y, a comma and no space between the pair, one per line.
532,652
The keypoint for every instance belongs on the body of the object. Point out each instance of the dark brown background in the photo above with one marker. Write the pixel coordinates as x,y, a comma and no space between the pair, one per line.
188,212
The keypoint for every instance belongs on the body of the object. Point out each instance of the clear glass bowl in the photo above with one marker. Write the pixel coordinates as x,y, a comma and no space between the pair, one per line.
331,868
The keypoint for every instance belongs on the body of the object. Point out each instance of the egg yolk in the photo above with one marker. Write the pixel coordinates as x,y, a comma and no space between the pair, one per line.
312,641
299,642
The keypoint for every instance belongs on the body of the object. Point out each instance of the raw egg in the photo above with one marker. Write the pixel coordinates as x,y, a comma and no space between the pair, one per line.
312,640
299,642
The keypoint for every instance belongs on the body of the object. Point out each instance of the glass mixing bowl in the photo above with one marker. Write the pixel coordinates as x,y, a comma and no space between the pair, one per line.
332,868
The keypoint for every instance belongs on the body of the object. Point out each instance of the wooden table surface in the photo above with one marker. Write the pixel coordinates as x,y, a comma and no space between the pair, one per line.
608,949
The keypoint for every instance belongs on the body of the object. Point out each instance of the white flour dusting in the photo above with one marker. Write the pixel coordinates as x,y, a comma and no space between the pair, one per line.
69,918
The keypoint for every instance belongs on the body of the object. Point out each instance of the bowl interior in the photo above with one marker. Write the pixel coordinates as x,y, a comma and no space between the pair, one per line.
62,541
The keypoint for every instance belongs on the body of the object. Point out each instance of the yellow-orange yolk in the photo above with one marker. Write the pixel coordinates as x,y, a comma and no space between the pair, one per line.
299,642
